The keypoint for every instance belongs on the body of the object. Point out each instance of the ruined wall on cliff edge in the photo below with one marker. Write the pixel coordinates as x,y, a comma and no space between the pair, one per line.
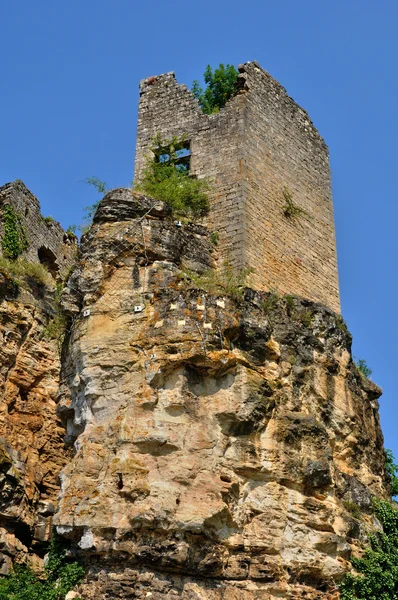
261,143
220,443
47,241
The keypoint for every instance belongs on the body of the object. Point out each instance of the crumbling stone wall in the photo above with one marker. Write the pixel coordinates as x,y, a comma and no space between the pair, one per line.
216,150
47,241
259,145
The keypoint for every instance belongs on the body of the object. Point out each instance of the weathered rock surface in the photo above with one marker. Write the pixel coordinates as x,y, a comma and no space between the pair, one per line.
220,445
31,436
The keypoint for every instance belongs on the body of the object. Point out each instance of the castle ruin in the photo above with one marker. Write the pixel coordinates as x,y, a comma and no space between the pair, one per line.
271,202
46,241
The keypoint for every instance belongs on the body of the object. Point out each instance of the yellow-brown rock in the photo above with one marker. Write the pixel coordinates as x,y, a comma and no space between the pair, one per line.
31,436
220,444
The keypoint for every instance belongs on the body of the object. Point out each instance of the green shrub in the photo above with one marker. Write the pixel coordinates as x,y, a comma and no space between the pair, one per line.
305,317
377,570
71,231
220,87
363,367
270,301
60,576
48,220
226,281
14,241
214,238
340,324
392,471
167,178
290,304
101,187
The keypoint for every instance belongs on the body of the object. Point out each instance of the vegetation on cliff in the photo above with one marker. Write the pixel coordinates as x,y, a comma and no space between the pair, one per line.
21,270
59,577
392,471
377,577
220,87
14,241
225,281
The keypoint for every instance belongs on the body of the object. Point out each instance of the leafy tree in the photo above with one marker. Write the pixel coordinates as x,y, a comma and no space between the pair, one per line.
167,178
392,470
59,578
377,577
220,88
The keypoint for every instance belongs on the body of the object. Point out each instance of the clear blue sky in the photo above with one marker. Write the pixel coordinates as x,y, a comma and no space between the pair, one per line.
69,93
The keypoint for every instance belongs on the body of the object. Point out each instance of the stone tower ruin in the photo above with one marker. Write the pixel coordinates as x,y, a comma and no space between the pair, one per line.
263,155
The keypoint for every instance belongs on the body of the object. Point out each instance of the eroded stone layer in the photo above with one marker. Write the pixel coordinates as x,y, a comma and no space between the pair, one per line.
221,444
31,436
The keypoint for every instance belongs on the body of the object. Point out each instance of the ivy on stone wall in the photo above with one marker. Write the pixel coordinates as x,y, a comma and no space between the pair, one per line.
14,241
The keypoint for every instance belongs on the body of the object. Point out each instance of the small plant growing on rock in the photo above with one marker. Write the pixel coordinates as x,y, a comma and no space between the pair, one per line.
214,238
305,317
270,301
290,208
363,367
352,508
340,324
99,185
101,188
290,305
220,87
226,281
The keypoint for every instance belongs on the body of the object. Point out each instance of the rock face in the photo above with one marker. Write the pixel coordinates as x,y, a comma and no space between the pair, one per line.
31,436
225,447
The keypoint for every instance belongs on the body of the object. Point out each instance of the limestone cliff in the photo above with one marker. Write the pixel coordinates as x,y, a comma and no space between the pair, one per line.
31,437
221,445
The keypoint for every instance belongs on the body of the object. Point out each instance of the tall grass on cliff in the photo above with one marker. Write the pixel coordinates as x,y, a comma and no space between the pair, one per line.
224,281
60,576
166,177
21,269
376,576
